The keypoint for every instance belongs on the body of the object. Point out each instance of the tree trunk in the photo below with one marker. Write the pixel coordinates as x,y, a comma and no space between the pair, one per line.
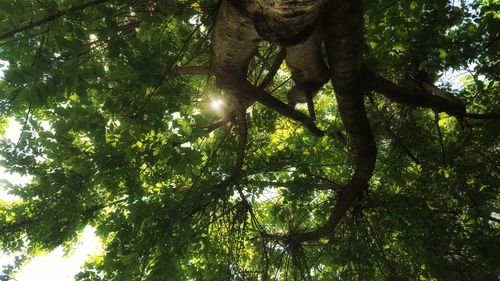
234,41
285,22
344,41
292,22
300,25
309,71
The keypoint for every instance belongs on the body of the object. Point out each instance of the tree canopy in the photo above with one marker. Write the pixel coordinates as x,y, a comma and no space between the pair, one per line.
255,140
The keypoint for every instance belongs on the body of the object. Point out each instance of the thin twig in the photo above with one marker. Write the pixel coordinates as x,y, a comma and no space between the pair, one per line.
440,135
392,134
49,18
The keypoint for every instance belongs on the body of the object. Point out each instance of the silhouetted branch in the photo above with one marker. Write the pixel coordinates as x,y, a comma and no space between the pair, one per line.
392,134
49,18
484,116
431,97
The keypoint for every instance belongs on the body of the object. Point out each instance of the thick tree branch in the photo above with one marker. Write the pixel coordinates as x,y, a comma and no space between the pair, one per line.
354,117
243,88
431,97
206,70
234,41
272,70
344,42
283,22
309,71
343,34
247,103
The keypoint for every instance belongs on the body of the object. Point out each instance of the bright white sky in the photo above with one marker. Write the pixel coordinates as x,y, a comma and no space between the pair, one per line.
53,266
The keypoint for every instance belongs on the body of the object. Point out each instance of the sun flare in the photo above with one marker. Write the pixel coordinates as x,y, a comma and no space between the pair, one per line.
217,104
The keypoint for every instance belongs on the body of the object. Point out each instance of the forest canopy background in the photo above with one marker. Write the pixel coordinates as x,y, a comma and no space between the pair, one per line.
125,128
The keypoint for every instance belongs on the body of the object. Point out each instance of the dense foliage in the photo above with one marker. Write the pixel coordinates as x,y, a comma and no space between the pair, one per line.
120,132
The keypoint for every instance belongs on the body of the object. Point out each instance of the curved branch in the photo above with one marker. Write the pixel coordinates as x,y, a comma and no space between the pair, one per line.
243,88
234,42
431,97
344,41
309,71
353,115
280,57
206,70
284,22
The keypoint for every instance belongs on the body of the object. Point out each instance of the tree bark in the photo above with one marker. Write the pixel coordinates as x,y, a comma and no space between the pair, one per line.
234,41
309,71
344,41
292,22
286,22
301,25
429,97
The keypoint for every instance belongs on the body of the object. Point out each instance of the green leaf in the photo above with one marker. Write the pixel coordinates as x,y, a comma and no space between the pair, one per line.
443,54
